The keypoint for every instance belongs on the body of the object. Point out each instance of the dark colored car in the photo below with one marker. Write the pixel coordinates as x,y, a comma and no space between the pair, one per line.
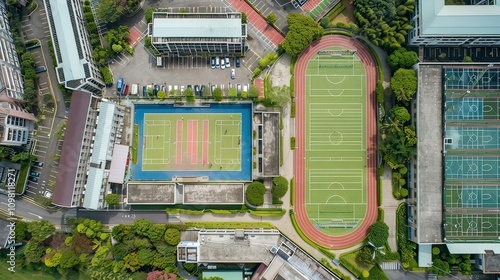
157,88
39,164
144,91
202,88
197,89
40,69
33,179
237,62
34,174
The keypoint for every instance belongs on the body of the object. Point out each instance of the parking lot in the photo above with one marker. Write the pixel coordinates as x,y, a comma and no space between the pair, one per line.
142,69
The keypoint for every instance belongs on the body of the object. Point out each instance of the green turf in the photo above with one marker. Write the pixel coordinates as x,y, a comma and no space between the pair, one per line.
161,141
336,142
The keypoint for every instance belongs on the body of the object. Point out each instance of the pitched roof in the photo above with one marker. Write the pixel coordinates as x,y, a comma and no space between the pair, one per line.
71,149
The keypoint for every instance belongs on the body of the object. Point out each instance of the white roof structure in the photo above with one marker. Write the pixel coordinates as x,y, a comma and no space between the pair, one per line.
100,153
472,248
197,27
118,164
438,19
71,64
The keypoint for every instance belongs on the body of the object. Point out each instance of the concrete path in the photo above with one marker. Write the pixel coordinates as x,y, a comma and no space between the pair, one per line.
389,205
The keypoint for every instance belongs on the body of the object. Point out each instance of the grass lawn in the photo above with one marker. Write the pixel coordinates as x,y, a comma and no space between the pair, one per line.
23,274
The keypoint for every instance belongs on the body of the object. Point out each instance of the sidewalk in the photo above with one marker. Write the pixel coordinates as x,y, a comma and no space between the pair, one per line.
389,205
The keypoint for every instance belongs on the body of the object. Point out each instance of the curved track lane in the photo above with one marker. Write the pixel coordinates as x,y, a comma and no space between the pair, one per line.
303,221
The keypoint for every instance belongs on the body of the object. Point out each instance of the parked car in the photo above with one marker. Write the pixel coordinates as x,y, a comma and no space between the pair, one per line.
189,86
125,92
169,88
217,64
233,74
212,88
39,164
202,88
245,87
144,91
222,64
156,89
182,88
228,63
196,89
164,88
237,62
40,69
34,174
238,87
32,179
212,62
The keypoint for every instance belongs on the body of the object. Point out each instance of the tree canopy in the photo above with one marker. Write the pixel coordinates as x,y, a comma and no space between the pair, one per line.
108,11
400,114
379,232
255,193
404,85
253,92
112,199
280,186
302,31
402,58
172,236
217,94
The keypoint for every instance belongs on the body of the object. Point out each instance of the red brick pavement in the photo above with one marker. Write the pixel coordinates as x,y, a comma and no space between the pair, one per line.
257,21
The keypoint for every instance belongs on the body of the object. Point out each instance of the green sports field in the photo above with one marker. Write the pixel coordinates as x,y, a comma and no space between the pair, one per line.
336,141
192,141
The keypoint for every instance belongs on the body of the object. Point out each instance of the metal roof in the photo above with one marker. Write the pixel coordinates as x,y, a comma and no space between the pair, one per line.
71,64
100,153
436,18
197,27
70,153
118,164
472,248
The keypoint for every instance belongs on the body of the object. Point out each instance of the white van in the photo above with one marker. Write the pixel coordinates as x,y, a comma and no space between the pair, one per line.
135,89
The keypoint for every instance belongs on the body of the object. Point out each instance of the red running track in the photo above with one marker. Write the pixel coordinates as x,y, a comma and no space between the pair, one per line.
303,221
178,154
310,5
204,148
257,21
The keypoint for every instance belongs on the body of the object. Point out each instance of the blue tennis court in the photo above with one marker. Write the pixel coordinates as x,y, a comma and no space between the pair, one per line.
241,172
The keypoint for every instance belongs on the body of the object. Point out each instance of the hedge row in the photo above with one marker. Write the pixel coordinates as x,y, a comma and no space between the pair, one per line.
292,191
230,225
262,213
292,86
339,8
135,144
339,273
347,260
293,109
292,143
281,148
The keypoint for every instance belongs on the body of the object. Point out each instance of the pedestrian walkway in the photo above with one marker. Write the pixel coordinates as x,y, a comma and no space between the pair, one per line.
389,205
274,36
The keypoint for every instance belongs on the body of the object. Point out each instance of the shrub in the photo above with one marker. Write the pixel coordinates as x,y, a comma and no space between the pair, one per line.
293,109
280,186
255,193
380,93
379,232
435,251
172,236
292,143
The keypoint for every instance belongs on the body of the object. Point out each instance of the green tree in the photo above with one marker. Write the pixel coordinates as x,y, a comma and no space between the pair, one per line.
280,186
243,18
217,94
132,262
53,260
156,232
205,92
25,158
365,255
34,252
112,199
400,114
302,31
142,243
141,226
404,85
379,232
69,259
232,93
271,18
108,11
467,59
122,232
117,48
402,58
189,92
253,92
161,94
40,230
379,90
278,96
172,236
146,256
148,15
440,267
20,231
255,193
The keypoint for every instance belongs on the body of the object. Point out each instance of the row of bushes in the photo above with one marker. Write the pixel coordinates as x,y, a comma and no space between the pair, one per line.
405,247
292,190
337,272
269,212
348,260
264,62
339,8
230,225
292,142
398,191
135,144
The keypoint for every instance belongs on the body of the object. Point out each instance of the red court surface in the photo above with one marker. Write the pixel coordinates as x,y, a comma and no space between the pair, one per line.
303,221
258,82
205,142
193,140
178,154
257,21
134,37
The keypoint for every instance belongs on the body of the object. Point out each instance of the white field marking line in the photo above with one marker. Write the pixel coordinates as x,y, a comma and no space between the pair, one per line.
335,203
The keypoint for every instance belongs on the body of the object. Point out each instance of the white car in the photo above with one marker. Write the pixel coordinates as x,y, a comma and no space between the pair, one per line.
222,64
233,74
182,88
228,64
